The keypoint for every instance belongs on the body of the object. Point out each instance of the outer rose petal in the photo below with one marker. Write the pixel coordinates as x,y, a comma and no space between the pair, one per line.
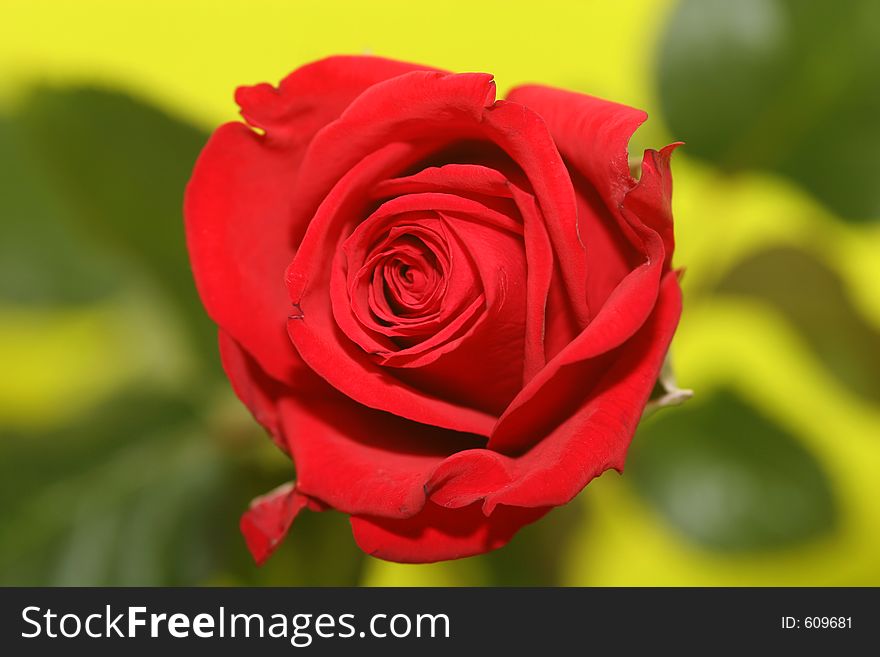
438,533
265,524
239,200
256,390
651,200
315,94
235,208
645,215
362,461
592,134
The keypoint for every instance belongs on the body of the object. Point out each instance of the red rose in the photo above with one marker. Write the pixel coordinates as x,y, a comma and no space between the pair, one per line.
450,310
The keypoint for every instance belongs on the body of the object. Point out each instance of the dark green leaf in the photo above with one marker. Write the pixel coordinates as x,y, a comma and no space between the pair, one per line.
815,301
729,479
122,166
42,260
145,491
71,496
781,85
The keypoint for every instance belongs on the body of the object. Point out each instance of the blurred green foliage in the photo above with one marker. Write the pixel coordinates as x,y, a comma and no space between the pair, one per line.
809,294
729,478
42,261
145,488
142,481
121,167
782,85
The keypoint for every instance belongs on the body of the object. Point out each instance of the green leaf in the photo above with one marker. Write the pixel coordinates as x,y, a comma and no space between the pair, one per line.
121,167
147,490
72,495
815,300
729,479
42,259
781,85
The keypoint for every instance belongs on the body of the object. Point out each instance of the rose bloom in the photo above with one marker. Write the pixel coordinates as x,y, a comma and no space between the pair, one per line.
449,310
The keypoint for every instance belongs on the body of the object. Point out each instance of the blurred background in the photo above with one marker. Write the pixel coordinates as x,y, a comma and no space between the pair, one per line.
126,460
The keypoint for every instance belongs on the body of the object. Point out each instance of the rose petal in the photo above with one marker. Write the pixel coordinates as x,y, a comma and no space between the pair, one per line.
268,519
540,401
416,106
619,318
420,106
484,368
449,178
314,330
592,439
591,133
438,533
236,207
239,201
484,180
440,217
362,461
524,135
611,248
456,107
315,94
257,391
651,199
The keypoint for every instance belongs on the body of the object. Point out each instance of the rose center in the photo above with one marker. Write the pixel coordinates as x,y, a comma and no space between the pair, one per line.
410,276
